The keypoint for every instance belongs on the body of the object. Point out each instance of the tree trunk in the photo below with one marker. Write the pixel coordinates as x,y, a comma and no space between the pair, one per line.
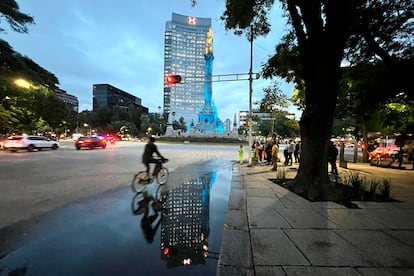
316,124
321,51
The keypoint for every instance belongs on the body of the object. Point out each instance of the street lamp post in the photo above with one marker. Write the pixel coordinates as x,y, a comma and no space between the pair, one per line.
90,129
250,97
161,117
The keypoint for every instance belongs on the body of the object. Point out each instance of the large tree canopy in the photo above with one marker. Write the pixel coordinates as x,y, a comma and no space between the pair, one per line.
9,12
34,107
323,34
13,64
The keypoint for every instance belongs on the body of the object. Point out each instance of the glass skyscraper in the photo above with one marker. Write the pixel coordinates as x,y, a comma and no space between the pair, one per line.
185,46
106,95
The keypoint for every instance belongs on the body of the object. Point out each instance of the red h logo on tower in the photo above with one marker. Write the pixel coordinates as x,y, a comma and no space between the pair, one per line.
192,20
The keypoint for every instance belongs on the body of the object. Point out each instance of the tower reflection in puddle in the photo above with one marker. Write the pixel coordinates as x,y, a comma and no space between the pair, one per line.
185,222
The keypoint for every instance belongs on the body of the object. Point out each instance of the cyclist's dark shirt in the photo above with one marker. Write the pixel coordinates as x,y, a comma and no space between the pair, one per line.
150,149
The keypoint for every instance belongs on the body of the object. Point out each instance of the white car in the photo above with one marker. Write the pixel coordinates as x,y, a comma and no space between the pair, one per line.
29,143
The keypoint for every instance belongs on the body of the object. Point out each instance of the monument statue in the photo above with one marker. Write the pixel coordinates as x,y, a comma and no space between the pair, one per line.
208,57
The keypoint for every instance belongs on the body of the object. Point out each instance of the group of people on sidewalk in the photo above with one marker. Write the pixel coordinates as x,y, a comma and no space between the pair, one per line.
268,152
292,150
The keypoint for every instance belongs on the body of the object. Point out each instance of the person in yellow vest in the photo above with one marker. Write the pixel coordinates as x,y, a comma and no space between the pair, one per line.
275,152
241,154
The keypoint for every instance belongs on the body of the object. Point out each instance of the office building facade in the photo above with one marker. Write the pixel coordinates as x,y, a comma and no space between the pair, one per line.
68,99
108,96
184,54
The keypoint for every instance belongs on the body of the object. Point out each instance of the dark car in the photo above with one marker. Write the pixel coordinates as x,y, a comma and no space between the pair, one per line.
90,142
109,138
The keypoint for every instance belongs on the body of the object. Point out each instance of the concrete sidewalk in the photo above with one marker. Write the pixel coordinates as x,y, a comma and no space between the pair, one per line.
272,231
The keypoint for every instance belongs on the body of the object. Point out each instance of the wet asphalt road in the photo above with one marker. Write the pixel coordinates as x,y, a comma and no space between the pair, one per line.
69,212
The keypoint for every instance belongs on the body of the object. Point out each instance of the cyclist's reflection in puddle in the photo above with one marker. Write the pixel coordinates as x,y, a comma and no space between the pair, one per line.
150,206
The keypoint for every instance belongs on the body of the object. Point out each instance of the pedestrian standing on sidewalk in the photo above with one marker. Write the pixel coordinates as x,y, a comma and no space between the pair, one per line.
286,155
290,150
275,153
241,154
332,155
261,152
256,151
296,152
268,151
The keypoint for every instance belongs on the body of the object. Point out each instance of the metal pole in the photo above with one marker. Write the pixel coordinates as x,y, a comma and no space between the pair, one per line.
250,97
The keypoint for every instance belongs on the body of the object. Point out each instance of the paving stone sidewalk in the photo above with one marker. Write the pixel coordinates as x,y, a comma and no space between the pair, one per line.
272,231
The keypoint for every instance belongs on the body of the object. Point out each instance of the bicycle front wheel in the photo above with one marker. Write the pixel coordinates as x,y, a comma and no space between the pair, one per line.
138,184
162,176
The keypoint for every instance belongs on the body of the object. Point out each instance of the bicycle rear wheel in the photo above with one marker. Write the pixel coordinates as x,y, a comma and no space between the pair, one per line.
138,182
162,176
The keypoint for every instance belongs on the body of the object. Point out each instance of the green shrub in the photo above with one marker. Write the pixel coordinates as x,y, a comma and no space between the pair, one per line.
359,188
373,188
355,185
281,174
386,189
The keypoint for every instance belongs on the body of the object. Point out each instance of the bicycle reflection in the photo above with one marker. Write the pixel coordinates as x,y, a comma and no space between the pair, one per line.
150,206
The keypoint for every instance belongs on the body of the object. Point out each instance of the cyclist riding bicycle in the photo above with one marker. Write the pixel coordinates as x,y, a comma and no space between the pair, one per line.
148,156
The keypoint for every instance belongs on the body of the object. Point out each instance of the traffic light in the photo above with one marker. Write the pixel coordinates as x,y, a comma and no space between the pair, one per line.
172,79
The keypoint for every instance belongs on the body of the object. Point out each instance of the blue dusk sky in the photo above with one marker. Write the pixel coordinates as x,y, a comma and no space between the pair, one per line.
86,42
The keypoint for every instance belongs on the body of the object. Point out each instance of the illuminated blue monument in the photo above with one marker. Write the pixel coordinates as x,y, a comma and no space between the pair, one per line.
208,121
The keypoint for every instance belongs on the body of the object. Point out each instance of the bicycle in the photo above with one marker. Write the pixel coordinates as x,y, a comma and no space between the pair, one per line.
142,178
150,206
141,199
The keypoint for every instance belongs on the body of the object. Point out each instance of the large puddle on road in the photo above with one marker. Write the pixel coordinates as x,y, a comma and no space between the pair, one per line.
166,230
